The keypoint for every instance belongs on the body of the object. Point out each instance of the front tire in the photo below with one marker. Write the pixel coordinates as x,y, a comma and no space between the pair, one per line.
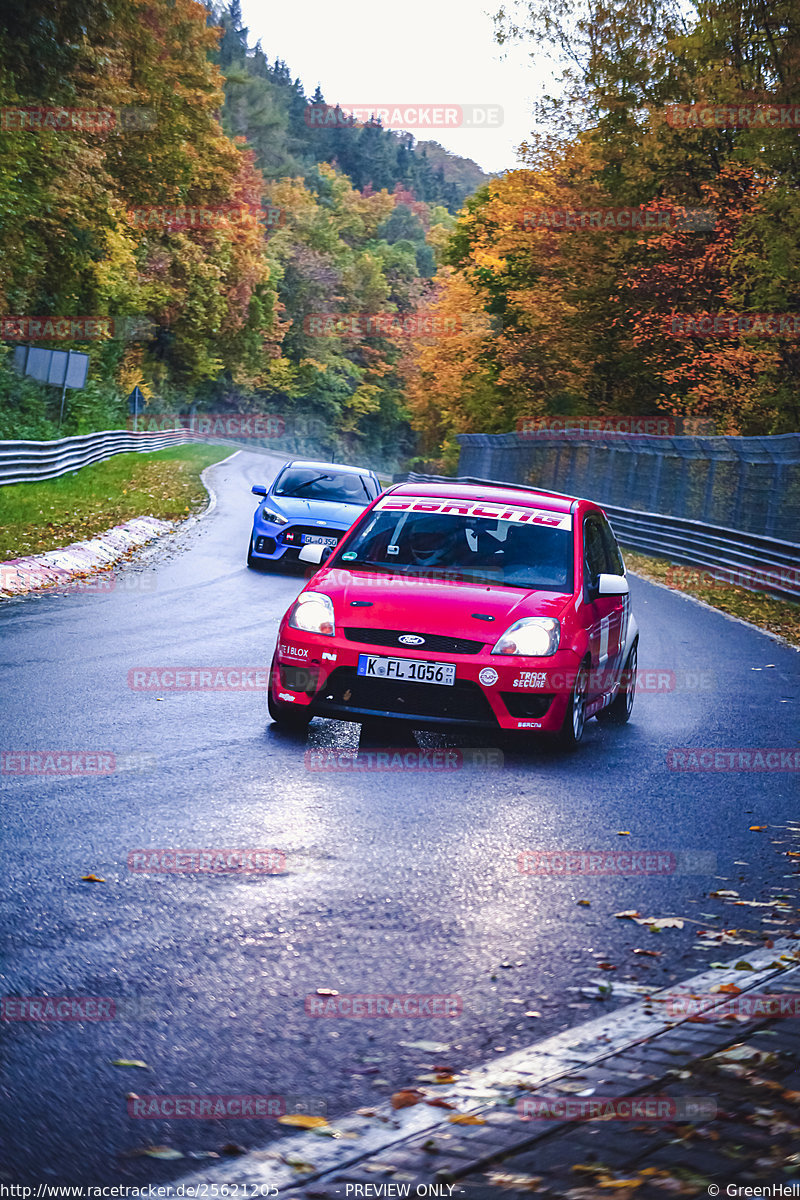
620,709
571,732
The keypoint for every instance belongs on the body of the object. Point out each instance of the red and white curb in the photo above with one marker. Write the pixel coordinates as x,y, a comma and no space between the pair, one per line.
80,560
270,1169
84,560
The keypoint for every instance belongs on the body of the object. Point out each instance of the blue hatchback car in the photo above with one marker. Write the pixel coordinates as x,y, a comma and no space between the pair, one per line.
309,503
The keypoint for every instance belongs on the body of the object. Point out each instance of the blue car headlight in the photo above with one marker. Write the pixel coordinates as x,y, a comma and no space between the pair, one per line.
273,517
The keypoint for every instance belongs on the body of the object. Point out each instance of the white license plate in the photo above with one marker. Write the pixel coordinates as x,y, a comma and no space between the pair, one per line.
411,669
316,539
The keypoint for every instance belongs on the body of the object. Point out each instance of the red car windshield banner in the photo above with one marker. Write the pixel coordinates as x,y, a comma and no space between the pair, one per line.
473,508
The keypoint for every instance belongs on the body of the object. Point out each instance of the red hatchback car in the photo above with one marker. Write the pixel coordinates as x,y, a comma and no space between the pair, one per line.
489,606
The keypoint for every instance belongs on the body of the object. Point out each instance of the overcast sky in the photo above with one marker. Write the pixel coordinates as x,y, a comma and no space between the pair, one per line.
419,52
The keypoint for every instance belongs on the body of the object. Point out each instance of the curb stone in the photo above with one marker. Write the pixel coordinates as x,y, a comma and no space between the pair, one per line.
83,560
402,1139
80,560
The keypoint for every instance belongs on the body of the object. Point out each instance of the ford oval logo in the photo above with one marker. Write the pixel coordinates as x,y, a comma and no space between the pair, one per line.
411,639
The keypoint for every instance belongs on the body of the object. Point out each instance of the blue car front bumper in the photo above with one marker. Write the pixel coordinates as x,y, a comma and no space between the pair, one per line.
276,543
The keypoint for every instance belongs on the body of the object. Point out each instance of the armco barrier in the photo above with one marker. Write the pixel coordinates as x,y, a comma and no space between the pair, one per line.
744,483
25,462
774,564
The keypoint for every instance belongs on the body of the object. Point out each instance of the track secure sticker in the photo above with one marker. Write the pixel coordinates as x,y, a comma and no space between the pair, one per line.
488,676
474,508
530,679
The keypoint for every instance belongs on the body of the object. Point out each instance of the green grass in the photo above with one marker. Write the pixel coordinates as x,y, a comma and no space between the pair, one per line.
35,517
759,608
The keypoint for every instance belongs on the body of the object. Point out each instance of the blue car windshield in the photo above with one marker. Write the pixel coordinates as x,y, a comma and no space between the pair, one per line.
311,483
447,546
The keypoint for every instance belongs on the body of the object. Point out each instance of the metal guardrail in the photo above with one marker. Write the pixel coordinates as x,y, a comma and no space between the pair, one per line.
748,560
746,483
26,462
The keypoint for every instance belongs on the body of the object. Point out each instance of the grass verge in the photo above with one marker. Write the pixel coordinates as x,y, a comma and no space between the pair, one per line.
781,617
35,517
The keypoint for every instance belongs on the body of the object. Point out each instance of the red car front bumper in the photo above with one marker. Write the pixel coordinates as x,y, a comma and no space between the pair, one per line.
490,691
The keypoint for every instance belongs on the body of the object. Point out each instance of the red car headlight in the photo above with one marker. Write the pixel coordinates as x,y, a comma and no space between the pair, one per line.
313,613
535,637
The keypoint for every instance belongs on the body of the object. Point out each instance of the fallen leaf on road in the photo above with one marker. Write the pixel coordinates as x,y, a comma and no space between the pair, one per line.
327,992
406,1097
129,1062
611,1184
730,989
650,953
758,828
430,1047
623,833
439,1103
466,1119
605,966
585,903
302,1121
630,914
299,1164
658,923
520,1183
726,893
744,966
153,1152
91,879
437,1077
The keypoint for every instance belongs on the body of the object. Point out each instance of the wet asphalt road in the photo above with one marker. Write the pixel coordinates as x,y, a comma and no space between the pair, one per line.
402,883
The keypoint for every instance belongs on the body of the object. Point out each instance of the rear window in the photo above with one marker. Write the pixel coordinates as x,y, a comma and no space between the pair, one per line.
520,549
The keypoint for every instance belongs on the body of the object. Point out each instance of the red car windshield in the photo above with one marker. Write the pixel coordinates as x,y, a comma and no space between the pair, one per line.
469,549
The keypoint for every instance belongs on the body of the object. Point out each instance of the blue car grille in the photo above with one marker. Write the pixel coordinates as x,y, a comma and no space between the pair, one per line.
293,536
